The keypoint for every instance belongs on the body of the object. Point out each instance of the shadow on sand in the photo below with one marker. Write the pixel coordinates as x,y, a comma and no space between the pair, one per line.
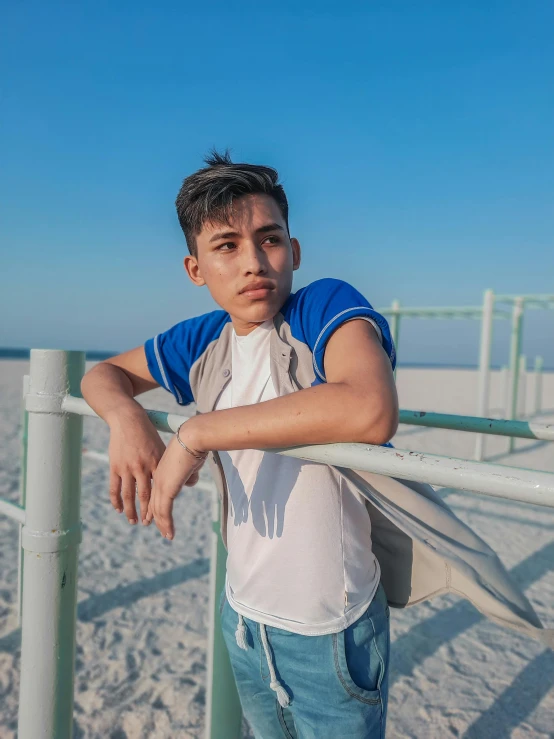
122,596
408,651
424,639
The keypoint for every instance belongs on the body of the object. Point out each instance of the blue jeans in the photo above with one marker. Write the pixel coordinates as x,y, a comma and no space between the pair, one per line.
337,683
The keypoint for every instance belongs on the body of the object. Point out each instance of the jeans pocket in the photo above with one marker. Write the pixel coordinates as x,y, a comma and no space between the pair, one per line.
361,654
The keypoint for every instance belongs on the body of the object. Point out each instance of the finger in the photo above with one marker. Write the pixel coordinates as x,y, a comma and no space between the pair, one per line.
152,503
115,491
154,509
128,495
164,516
144,492
150,511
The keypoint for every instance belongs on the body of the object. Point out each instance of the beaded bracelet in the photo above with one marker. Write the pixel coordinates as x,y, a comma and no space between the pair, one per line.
199,457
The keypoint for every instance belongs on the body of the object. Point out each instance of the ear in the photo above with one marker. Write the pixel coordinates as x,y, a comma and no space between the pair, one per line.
296,255
192,268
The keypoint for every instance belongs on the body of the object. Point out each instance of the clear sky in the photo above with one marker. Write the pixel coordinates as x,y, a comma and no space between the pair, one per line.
414,141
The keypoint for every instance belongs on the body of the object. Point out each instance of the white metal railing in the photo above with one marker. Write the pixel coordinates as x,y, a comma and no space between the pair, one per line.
527,486
50,534
487,313
474,424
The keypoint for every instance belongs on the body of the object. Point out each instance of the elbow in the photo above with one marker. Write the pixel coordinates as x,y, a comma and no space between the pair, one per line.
385,432
380,426
85,383
91,378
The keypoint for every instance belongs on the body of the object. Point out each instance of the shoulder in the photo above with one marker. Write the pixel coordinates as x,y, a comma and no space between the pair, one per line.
324,300
326,294
314,312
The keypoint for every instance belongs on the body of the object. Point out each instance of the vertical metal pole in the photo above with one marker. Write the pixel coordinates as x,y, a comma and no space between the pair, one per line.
484,368
537,406
395,326
22,492
50,541
505,397
223,709
522,392
515,351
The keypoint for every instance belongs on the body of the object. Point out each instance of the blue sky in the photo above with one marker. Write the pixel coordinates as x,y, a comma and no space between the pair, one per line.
414,141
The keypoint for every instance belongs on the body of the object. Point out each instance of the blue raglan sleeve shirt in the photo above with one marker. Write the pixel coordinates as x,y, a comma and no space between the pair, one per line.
317,310
171,354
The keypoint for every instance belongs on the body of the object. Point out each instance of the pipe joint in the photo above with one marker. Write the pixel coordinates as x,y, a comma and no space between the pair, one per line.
44,402
48,542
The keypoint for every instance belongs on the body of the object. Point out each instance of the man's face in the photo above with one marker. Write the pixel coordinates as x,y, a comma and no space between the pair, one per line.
247,264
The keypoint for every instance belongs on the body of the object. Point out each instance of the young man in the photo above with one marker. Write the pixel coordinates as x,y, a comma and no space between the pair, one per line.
313,367
304,615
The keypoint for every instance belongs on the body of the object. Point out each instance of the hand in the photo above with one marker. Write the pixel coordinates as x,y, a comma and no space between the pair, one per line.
135,451
176,468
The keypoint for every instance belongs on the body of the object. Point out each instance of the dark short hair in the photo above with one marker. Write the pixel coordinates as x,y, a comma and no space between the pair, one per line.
207,196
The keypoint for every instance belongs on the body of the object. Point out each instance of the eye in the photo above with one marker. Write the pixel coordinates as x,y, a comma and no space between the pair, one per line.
221,247
273,239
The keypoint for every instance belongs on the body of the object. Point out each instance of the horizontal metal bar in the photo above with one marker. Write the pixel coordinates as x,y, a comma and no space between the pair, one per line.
12,510
527,486
494,426
545,298
441,313
512,483
538,305
162,421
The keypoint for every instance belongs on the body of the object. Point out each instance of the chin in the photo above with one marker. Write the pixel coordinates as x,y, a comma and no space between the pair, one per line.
259,312
261,315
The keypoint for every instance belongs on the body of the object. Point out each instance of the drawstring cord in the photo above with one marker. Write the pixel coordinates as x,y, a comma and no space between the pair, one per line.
282,695
240,635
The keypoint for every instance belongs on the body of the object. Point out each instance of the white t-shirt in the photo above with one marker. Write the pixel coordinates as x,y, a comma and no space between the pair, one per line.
298,535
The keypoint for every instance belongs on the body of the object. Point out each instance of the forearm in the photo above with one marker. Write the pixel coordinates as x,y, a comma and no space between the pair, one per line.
325,414
109,392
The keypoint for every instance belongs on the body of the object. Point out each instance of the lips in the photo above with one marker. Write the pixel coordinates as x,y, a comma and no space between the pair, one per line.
258,289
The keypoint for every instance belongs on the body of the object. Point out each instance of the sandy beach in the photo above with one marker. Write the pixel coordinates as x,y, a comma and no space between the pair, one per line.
142,613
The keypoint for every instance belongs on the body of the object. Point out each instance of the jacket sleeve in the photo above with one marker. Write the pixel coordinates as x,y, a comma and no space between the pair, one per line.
171,354
169,361
326,304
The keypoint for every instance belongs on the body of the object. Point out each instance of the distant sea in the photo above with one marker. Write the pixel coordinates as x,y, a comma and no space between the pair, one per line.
11,353
95,355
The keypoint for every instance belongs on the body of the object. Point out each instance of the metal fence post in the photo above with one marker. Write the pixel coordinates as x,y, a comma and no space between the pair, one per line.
50,541
22,492
522,391
505,391
515,351
484,368
537,406
223,710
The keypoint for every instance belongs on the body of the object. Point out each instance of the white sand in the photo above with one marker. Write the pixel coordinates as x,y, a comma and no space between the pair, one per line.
141,633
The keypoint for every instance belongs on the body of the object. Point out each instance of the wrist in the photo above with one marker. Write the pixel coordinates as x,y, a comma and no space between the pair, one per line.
190,434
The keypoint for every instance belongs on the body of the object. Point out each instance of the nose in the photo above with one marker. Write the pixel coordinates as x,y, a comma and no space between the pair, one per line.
254,260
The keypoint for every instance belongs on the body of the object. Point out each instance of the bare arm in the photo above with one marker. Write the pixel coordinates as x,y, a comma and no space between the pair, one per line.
110,386
357,404
135,445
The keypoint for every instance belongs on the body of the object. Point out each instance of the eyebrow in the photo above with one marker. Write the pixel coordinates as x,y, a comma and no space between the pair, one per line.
232,234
